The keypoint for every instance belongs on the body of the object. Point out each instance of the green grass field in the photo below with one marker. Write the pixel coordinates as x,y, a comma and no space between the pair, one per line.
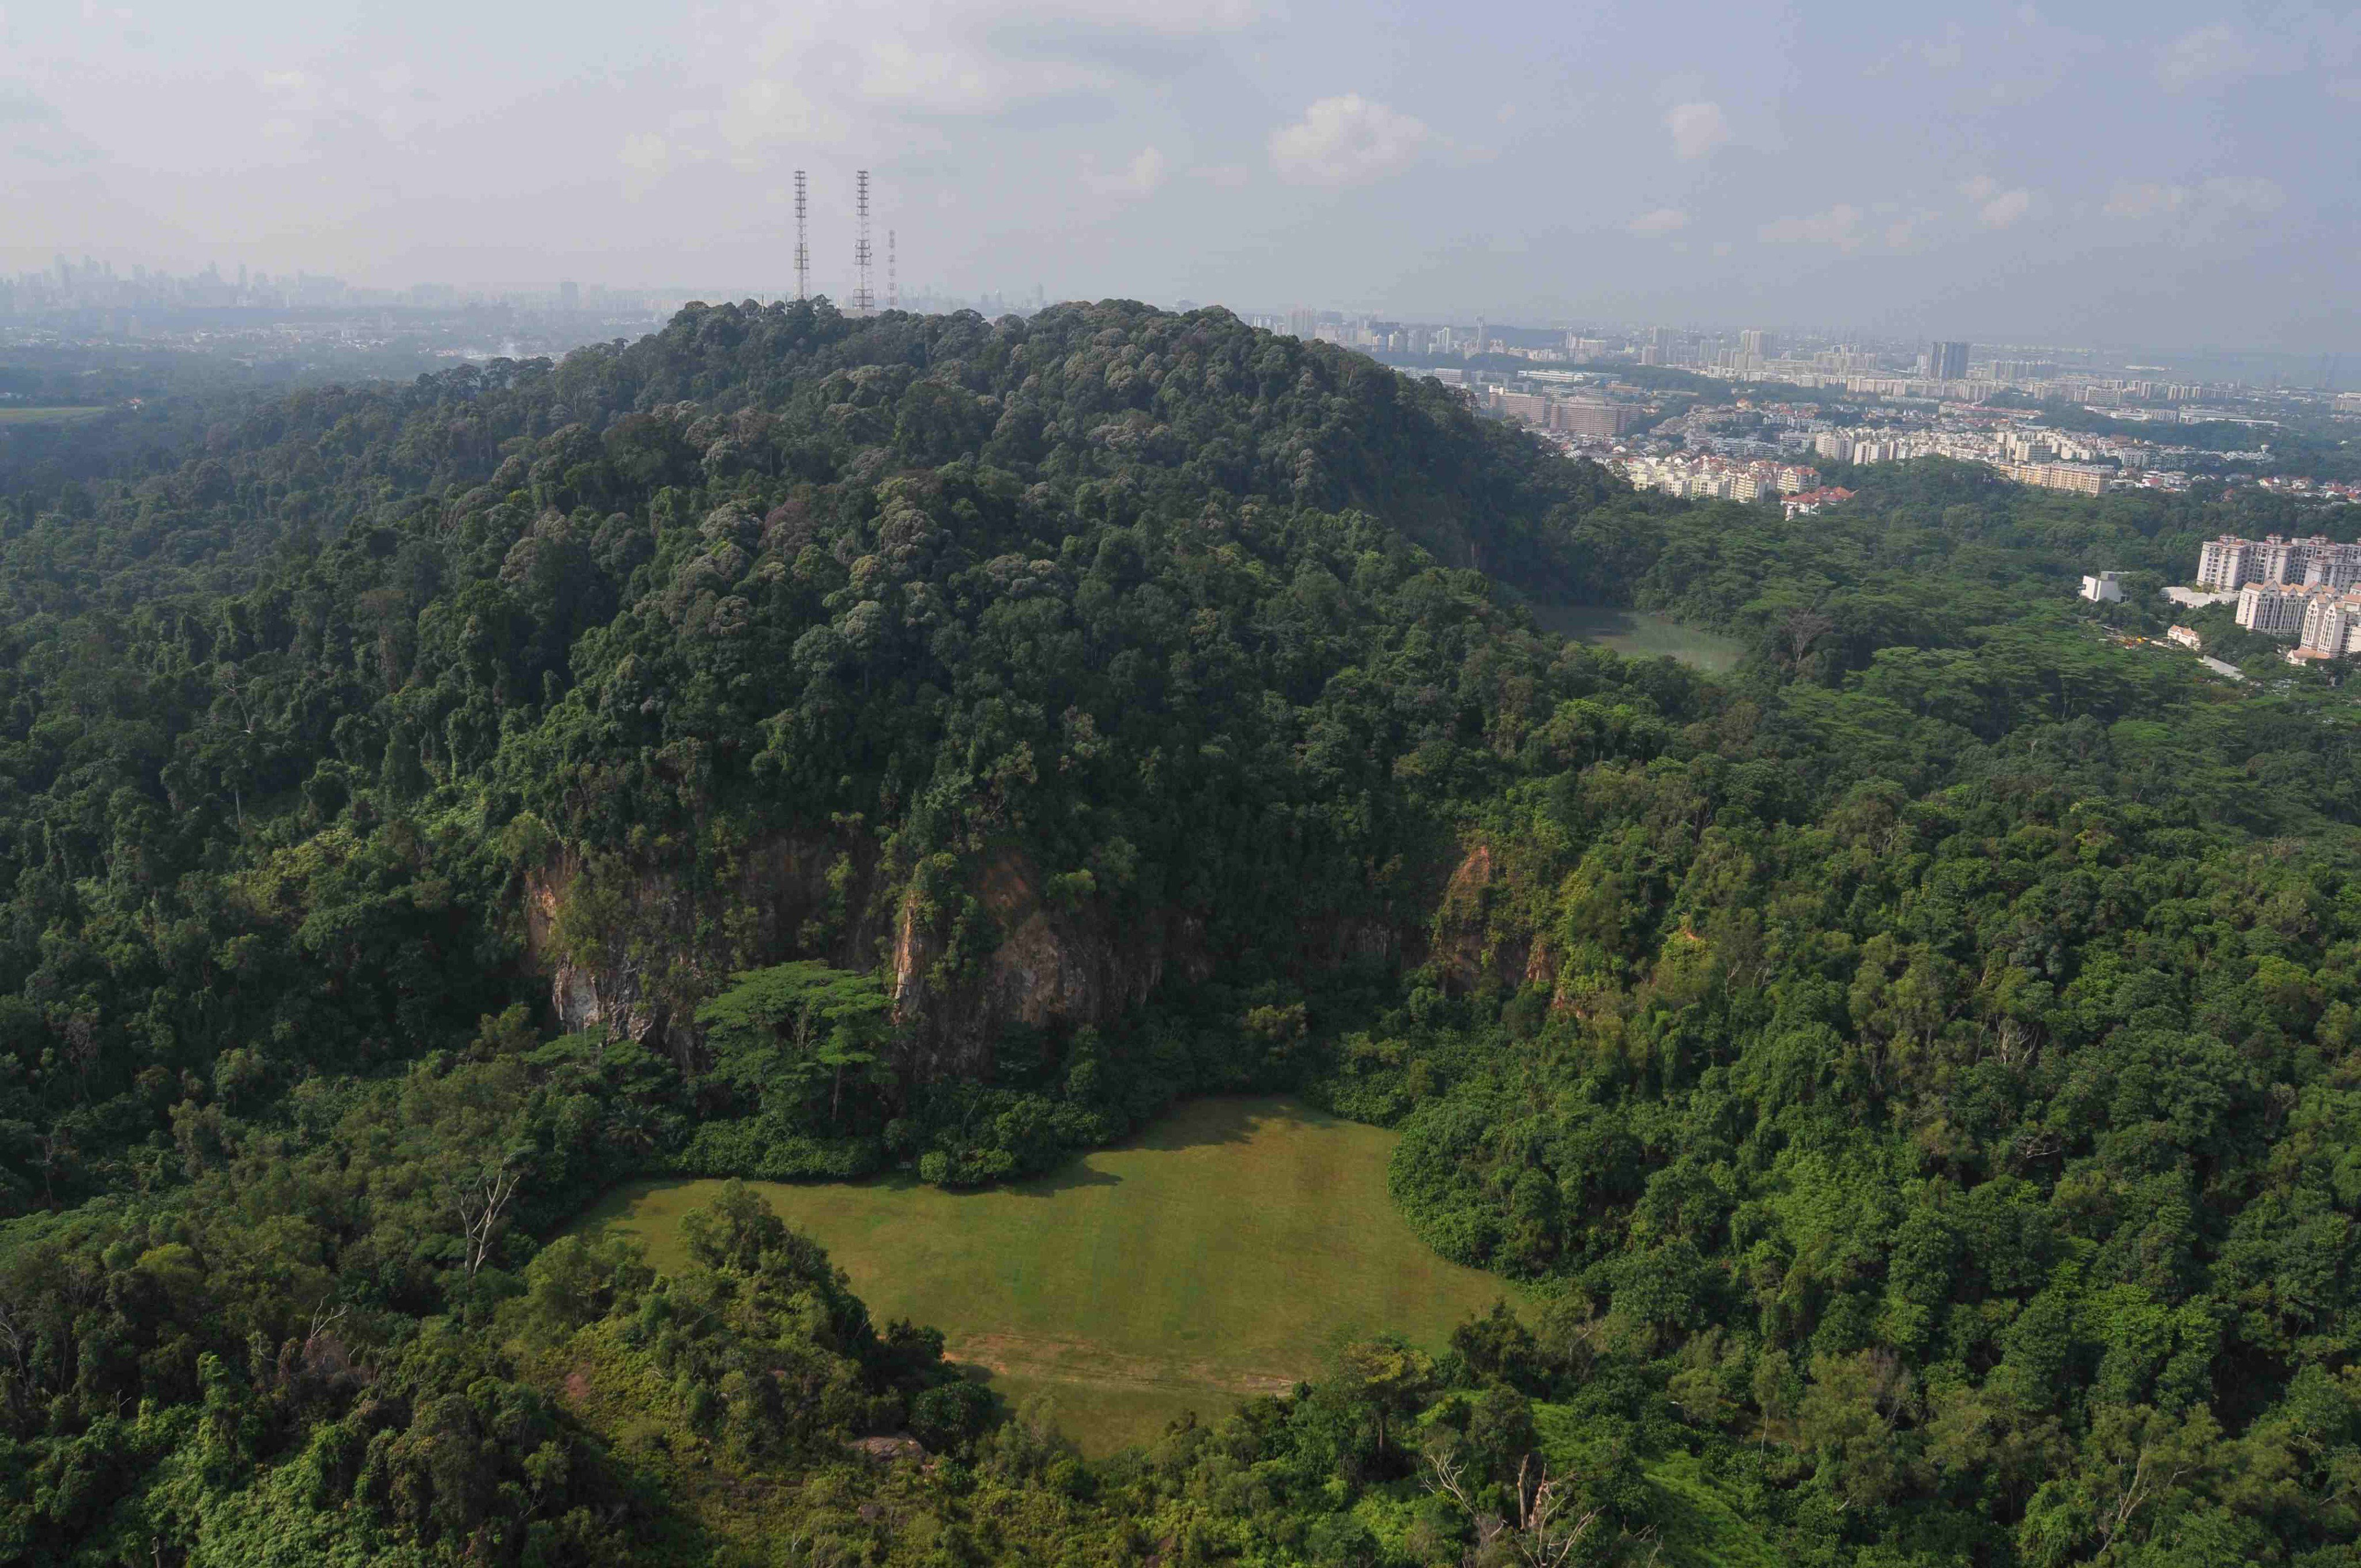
47,416
1638,634
1225,1252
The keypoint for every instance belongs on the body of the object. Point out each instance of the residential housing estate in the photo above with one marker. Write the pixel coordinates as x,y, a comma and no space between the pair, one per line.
2301,589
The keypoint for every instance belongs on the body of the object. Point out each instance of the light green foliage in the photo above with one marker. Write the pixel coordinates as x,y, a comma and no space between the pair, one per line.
797,1029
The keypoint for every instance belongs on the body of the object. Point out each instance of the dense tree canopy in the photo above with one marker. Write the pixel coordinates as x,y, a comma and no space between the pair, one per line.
1913,1076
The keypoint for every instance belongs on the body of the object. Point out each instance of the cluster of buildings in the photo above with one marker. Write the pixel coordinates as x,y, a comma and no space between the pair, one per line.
2298,590
1831,366
1710,476
2229,564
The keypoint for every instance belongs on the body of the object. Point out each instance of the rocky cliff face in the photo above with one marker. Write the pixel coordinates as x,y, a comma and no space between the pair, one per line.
635,948
1049,965
1478,935
661,946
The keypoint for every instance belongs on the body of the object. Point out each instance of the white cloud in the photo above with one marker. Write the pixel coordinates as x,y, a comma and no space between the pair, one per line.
1998,206
1137,178
2005,209
2242,194
835,73
1945,54
1697,128
2209,202
1903,233
647,157
1662,222
32,130
1347,141
2144,199
645,153
1840,227
2204,54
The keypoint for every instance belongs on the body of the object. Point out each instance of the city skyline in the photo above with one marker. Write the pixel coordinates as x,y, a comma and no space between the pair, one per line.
106,300
2165,175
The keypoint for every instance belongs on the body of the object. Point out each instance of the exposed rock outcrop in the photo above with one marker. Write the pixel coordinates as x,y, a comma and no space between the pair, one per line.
634,948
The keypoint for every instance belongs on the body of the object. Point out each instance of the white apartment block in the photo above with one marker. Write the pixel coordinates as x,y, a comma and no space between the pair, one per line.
2332,625
2229,563
2225,563
2272,609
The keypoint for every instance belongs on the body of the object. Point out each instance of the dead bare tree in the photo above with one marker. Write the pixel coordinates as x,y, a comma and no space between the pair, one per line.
1804,627
1546,1525
324,1318
2144,1487
481,1201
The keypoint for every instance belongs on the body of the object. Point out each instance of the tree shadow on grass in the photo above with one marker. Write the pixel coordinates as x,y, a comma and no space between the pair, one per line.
1224,1119
1074,1174
1585,623
1208,1123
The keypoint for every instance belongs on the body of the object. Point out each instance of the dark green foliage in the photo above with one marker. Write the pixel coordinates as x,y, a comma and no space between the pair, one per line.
1916,1074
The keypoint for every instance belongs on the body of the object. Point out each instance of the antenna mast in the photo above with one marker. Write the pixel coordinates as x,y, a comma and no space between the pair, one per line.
894,284
803,251
864,300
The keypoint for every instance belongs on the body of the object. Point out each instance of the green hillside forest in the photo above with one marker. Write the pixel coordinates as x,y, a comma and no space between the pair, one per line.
1908,1085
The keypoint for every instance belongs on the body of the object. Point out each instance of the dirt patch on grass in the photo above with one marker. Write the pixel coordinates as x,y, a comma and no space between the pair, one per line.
1079,1361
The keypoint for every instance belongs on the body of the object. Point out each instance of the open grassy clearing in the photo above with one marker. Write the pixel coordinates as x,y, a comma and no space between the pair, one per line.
1641,634
47,416
1223,1253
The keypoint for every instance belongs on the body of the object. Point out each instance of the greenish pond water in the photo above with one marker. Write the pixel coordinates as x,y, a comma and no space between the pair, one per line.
1637,634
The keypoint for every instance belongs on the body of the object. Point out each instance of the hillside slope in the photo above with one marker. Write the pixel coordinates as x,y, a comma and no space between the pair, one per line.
1915,1074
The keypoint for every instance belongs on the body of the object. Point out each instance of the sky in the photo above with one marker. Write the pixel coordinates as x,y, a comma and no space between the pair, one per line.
2179,175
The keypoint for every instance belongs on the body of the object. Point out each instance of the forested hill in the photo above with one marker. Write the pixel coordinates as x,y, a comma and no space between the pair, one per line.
1141,610
1913,1076
1146,407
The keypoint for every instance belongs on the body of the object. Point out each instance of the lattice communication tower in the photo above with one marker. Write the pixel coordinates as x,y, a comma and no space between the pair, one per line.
892,278
803,251
865,302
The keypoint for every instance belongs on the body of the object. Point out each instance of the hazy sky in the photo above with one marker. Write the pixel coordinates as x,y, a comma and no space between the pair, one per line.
2162,173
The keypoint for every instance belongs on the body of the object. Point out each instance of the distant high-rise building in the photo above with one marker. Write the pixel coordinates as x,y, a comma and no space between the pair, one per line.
1586,417
1483,338
1302,322
1757,345
1947,361
569,296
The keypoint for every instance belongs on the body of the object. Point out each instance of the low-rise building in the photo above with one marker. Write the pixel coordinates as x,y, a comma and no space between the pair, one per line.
2107,588
2070,477
2186,636
1805,502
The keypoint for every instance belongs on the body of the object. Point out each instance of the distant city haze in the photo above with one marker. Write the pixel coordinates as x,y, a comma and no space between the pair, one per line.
2166,174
